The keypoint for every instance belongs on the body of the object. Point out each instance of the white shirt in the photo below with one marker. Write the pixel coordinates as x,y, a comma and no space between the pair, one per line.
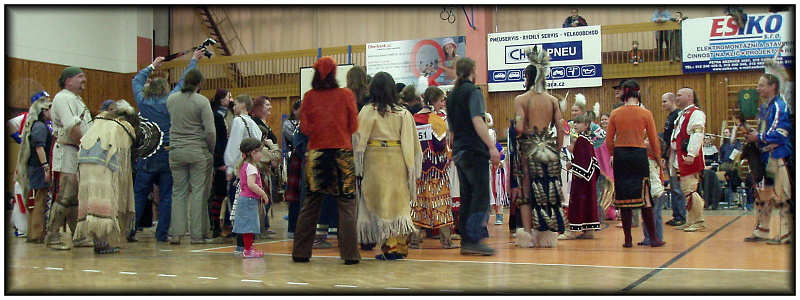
68,110
239,132
696,120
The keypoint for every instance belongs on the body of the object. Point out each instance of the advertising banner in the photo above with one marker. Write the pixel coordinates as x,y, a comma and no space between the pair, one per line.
717,44
408,60
575,57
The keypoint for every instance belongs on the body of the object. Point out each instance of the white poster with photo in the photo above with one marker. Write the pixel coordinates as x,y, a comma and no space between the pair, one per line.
406,61
307,76
717,44
575,57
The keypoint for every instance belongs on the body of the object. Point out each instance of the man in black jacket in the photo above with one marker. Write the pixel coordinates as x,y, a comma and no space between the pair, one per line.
678,199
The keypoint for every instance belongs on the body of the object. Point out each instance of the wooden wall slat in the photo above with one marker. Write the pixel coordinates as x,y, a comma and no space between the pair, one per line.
100,85
500,104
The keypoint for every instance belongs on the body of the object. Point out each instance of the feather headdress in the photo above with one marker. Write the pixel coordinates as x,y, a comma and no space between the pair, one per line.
562,102
541,60
422,85
580,101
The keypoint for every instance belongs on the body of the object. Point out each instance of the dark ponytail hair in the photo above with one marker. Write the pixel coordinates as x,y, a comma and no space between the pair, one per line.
216,102
630,89
383,92
530,77
464,68
295,106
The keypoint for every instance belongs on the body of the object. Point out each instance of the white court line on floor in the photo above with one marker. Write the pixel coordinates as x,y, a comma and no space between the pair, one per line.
452,291
261,243
206,277
128,273
297,283
345,286
395,288
165,250
54,269
93,271
553,265
167,275
251,280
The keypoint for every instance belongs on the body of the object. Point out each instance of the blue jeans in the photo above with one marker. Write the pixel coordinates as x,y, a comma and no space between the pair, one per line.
658,207
678,199
473,176
143,186
729,195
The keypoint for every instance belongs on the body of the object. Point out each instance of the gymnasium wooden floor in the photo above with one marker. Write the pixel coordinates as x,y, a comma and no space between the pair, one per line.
716,261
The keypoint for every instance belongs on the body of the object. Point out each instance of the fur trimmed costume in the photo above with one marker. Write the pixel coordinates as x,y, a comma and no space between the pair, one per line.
106,208
31,172
68,111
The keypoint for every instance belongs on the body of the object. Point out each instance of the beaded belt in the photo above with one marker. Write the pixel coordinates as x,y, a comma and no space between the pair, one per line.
377,143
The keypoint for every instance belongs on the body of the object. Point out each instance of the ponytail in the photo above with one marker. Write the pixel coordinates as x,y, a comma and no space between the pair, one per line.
465,66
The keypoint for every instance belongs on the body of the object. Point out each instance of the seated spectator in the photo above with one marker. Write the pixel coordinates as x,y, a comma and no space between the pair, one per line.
726,149
732,182
574,20
710,153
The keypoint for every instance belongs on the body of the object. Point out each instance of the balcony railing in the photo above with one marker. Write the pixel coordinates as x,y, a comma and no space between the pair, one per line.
277,73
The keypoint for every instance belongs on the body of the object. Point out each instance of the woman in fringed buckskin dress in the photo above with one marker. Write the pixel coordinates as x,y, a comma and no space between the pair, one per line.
389,158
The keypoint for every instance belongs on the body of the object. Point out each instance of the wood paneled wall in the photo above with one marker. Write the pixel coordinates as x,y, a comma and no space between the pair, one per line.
25,77
500,105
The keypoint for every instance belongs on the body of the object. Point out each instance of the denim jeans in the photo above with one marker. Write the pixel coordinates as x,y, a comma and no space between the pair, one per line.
658,207
729,195
473,176
678,199
143,186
